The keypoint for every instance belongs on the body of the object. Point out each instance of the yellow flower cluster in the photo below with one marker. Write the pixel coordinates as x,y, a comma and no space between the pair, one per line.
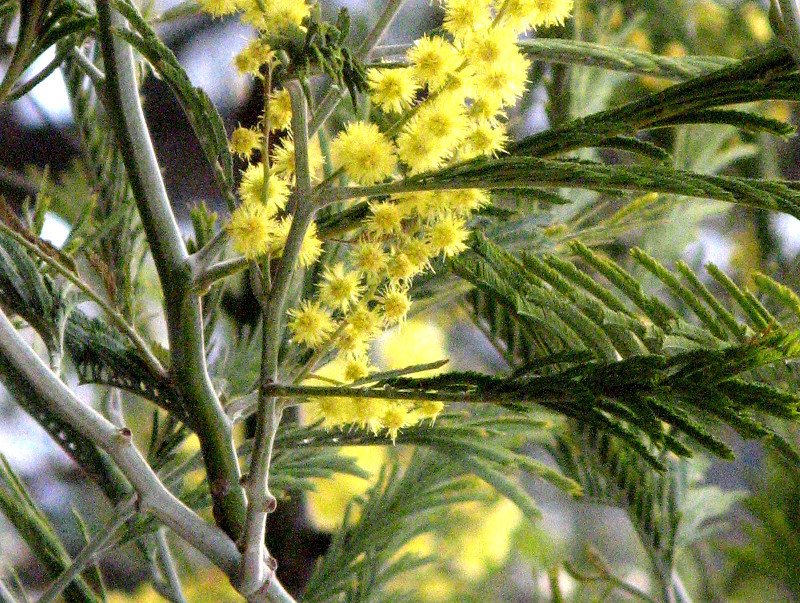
451,100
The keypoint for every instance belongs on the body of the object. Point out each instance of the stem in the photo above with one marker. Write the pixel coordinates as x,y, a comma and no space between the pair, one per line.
122,514
183,308
6,596
322,391
268,414
30,84
173,581
219,271
24,373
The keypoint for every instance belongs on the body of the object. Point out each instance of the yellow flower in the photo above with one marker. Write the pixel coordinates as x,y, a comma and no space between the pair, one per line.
503,82
251,189
275,17
364,321
243,141
310,249
339,289
462,202
489,46
356,367
386,219
283,159
484,139
461,17
310,324
433,59
364,153
401,347
395,418
393,90
253,56
219,8
395,304
369,258
401,268
448,235
252,229
280,110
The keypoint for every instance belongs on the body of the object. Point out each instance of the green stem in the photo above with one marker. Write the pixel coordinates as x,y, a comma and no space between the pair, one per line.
183,308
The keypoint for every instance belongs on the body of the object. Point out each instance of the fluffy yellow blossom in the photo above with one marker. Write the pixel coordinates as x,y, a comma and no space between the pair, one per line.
219,8
274,17
395,417
401,347
280,110
395,304
244,141
339,289
252,229
417,150
462,202
351,342
503,82
448,235
310,324
369,258
253,56
251,189
364,153
418,251
489,46
429,409
462,17
433,58
401,269
310,249
283,158
484,139
364,321
393,90
355,368
386,219
445,120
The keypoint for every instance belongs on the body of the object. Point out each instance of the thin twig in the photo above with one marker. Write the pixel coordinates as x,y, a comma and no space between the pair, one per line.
122,514
268,414
148,357
168,568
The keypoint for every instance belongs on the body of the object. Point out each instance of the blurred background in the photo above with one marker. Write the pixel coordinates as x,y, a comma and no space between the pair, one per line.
752,552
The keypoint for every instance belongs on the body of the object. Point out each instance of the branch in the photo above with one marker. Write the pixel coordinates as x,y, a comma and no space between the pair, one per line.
183,309
25,374
269,411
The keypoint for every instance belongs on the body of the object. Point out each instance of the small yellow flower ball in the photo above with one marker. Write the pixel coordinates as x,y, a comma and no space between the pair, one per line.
364,153
310,324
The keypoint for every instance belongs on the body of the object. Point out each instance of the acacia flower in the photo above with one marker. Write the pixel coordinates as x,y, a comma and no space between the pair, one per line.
310,249
395,418
395,304
219,8
244,141
356,367
252,230
283,158
280,110
364,153
386,219
369,258
448,236
461,17
310,324
251,189
275,17
393,90
433,59
339,289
